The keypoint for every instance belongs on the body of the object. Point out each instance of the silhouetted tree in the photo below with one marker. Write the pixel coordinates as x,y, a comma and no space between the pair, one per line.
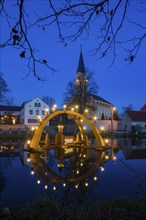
3,89
79,92
49,101
107,20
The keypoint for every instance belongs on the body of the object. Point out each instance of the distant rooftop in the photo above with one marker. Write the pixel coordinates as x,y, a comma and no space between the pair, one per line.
137,115
143,109
10,108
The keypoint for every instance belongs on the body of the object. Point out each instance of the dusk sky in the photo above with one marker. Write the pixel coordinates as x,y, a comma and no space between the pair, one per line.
122,84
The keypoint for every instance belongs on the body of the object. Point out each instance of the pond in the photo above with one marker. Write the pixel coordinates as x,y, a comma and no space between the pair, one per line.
72,175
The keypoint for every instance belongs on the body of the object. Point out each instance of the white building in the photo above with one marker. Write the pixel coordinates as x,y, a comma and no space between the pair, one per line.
32,110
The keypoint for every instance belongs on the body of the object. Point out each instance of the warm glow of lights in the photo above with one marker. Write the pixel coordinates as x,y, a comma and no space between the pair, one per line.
84,128
28,159
77,171
102,128
64,106
95,178
86,184
46,186
81,120
81,164
28,142
76,106
84,155
32,171
114,158
76,186
114,108
55,106
38,181
54,188
95,118
86,110
32,128
72,109
64,184
106,155
102,168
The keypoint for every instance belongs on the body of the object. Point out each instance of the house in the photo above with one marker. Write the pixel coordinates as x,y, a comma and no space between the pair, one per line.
32,111
133,121
29,113
9,114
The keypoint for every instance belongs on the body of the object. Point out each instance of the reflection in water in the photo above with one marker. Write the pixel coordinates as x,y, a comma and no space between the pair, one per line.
68,166
79,173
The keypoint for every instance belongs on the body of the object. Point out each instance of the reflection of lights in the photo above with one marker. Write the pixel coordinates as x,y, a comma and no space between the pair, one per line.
77,171
102,168
106,142
86,184
102,128
38,180
46,186
54,188
95,178
106,155
28,159
64,184
114,158
32,171
28,142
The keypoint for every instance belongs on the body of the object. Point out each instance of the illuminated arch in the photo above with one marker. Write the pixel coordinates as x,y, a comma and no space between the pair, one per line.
38,133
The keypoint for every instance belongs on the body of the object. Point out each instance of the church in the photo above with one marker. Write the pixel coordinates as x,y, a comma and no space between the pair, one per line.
102,108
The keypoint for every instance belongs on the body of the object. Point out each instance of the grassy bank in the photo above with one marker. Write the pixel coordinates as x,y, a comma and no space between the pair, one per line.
51,209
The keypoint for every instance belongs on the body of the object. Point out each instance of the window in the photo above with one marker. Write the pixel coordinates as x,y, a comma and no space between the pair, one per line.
43,112
31,112
37,104
37,112
32,120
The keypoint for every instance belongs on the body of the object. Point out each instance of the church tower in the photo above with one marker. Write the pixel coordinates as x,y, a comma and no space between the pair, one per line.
81,76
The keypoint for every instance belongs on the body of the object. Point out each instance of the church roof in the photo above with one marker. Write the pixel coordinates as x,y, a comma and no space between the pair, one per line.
98,98
81,66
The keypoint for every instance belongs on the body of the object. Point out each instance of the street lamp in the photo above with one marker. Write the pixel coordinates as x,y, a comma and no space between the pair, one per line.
112,112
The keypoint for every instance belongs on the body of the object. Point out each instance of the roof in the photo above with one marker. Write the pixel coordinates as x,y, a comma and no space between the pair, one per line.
10,108
137,115
81,66
143,109
98,98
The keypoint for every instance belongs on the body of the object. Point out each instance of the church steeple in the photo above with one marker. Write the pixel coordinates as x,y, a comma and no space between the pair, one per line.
81,66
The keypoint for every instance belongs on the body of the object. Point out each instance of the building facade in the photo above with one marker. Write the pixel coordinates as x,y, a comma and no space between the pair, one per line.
32,111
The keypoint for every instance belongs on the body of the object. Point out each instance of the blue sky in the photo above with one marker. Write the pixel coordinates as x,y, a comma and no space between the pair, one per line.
122,84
